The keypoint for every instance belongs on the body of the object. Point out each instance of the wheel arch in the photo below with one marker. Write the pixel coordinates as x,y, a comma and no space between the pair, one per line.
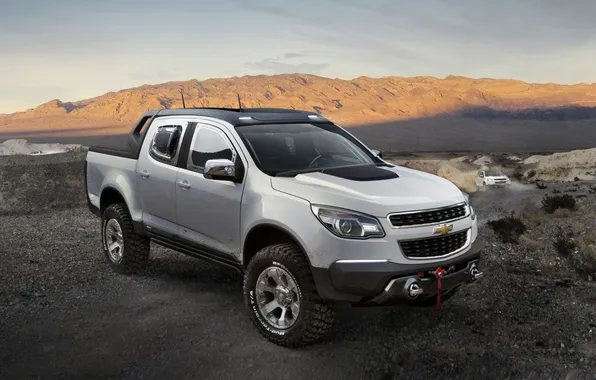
109,196
265,234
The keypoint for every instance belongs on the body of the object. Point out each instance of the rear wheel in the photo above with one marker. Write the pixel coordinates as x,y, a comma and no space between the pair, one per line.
125,250
282,299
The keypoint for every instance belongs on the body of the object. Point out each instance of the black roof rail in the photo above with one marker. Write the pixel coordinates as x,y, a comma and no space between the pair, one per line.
238,117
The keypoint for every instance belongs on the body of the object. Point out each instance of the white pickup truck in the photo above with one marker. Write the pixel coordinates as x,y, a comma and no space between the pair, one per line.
486,179
305,211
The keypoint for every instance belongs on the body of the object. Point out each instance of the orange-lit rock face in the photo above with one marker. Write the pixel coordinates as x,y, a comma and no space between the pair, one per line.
347,102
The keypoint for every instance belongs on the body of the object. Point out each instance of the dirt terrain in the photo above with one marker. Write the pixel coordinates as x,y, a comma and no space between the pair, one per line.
65,315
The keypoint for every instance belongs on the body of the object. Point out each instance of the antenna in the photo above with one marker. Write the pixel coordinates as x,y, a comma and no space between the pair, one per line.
239,103
182,95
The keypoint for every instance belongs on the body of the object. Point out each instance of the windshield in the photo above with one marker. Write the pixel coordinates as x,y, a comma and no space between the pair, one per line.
287,149
494,174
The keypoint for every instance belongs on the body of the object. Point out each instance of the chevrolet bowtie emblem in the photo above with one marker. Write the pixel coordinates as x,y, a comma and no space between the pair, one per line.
443,229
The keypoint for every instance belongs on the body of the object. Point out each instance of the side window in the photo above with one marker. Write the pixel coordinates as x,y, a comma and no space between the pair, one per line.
481,175
208,144
166,143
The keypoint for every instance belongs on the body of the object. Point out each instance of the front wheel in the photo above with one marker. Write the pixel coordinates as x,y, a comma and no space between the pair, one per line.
282,299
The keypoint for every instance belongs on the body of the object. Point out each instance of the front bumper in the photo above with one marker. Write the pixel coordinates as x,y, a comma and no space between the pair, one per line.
383,283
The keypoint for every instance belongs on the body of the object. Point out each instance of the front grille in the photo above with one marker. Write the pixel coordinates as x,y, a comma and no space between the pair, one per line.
435,246
428,217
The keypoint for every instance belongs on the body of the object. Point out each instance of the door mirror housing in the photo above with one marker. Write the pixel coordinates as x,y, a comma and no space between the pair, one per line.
220,169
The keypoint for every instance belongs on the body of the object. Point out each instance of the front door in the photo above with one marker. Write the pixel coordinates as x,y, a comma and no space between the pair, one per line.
156,174
209,210
480,179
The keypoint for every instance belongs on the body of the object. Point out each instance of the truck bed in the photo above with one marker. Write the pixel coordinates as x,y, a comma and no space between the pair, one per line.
129,145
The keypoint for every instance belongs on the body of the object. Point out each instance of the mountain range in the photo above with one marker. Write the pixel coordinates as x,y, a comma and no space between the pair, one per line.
351,103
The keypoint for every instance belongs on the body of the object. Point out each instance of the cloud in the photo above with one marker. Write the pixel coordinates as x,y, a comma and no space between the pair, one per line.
293,55
275,66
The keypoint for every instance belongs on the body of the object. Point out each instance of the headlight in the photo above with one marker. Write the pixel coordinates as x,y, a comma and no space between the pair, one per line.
467,196
348,224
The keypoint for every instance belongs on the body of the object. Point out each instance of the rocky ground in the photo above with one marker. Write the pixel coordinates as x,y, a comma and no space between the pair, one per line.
65,314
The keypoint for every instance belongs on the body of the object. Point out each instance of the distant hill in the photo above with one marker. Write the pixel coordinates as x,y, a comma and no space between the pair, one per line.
454,103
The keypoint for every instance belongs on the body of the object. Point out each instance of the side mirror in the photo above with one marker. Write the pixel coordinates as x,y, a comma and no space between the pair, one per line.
377,153
219,169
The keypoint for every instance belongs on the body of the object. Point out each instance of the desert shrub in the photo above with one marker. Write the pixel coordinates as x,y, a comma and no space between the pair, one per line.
508,229
592,189
571,191
530,243
540,185
562,213
576,179
531,173
552,203
577,227
555,191
580,257
564,244
517,175
584,260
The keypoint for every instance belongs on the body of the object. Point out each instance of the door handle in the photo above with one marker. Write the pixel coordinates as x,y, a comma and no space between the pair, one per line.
145,174
183,184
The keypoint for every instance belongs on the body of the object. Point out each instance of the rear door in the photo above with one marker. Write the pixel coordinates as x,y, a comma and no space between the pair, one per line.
156,174
208,209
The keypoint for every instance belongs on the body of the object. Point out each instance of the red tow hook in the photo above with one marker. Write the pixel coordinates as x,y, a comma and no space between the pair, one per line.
438,275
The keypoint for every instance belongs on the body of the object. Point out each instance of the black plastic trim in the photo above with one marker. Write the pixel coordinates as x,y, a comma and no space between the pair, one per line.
191,248
368,279
113,152
185,146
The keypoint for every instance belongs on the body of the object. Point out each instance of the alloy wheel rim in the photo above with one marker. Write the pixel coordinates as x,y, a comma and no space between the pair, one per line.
278,298
114,240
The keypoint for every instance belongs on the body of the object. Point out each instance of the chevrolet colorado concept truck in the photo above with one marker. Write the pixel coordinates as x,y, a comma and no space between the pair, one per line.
305,211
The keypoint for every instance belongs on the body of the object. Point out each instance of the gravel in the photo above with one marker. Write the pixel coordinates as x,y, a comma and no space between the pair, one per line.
65,314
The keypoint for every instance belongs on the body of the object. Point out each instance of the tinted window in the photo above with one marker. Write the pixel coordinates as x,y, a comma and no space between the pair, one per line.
302,147
208,144
494,174
165,142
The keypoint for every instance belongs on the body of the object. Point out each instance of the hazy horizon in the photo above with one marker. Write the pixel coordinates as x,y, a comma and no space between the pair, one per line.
75,49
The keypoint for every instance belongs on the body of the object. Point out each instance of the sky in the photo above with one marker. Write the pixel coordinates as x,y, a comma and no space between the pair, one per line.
76,49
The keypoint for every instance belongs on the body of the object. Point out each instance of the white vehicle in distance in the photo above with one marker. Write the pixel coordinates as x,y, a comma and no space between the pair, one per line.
490,179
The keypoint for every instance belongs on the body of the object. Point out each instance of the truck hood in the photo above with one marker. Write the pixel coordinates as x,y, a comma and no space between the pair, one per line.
410,190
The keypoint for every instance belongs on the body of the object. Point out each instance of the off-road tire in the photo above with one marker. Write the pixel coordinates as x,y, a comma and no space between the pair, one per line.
316,316
432,301
136,247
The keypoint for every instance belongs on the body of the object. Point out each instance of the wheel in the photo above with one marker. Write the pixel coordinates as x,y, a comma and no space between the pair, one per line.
432,301
126,251
283,302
